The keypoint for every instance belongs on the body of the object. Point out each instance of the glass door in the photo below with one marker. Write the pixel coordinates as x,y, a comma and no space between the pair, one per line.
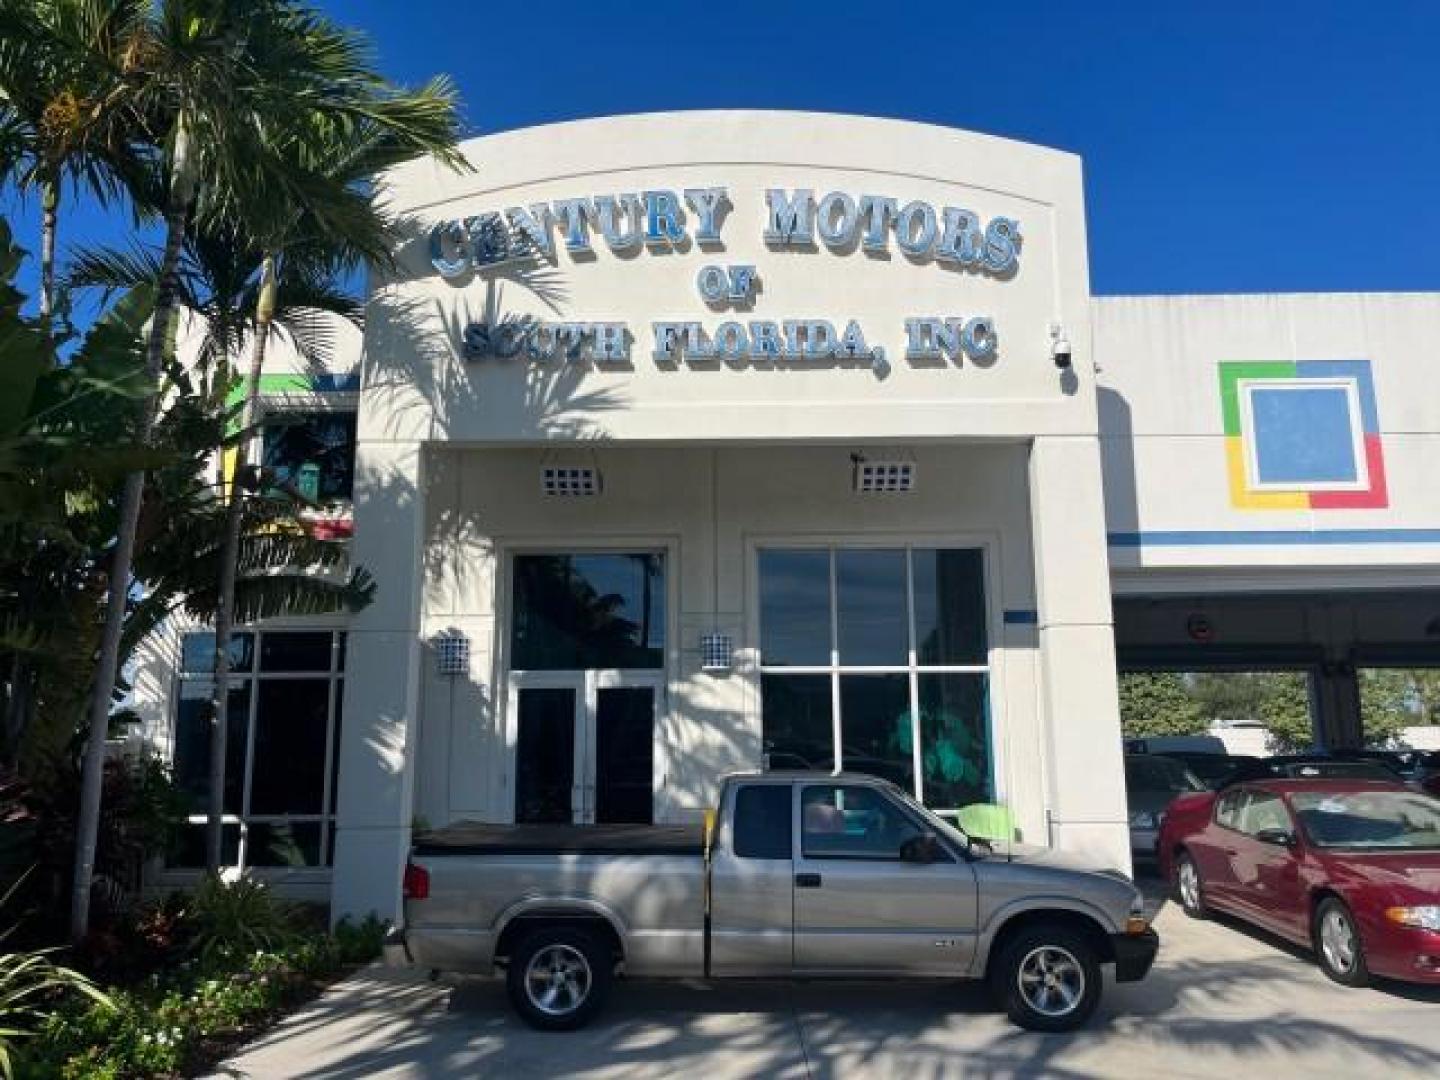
585,747
548,756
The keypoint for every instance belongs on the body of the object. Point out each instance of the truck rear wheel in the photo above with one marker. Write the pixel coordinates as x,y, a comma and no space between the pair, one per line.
558,977
1047,979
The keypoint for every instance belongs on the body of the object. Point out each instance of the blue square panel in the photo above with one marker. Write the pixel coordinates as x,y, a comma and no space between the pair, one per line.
1303,435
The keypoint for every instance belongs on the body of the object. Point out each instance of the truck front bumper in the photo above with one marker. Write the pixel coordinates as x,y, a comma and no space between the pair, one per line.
1134,953
394,950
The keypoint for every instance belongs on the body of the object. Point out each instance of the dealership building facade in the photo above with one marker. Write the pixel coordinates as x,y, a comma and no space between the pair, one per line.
691,443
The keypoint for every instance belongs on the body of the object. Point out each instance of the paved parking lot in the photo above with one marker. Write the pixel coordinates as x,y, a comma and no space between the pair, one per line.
1222,1001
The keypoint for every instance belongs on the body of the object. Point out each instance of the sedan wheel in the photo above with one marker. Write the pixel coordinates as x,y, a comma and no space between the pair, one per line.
1338,945
1188,886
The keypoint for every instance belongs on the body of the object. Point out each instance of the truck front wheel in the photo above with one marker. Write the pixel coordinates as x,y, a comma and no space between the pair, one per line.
1047,979
558,977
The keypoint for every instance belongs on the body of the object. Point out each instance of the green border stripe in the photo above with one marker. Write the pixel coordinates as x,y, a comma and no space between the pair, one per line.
1230,373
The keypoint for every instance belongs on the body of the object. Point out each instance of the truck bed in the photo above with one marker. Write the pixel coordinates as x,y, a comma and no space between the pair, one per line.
475,838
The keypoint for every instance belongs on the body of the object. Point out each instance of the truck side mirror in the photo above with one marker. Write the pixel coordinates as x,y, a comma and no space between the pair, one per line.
920,849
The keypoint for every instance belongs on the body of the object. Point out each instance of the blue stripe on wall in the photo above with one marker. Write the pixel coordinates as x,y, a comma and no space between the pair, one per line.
1261,537
1021,617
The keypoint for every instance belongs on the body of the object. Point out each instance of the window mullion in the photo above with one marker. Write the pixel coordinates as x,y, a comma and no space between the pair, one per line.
913,658
835,719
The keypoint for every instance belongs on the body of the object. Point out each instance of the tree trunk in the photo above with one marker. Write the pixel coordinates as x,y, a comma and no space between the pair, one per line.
229,568
182,189
49,221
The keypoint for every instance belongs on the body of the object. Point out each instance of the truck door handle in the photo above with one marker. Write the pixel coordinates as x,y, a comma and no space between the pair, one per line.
807,881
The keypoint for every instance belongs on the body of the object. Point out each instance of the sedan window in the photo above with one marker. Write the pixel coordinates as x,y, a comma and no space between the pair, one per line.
1262,811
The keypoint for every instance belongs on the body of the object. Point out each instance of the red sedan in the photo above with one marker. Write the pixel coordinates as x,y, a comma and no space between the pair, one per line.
1350,868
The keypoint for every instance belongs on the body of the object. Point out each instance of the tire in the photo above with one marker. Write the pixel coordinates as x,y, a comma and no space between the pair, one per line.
1047,978
1338,947
559,977
1189,888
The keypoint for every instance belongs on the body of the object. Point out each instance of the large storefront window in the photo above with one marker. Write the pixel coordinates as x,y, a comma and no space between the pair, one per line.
876,660
281,748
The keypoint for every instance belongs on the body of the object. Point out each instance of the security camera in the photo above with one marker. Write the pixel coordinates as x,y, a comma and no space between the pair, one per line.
1060,350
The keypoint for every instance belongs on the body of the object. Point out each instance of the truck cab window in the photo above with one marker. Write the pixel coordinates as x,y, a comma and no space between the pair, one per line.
849,821
762,821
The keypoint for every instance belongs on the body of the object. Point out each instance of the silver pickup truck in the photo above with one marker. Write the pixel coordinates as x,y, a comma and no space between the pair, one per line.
802,875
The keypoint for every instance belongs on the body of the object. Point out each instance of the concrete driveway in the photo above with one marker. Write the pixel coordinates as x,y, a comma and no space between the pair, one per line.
1222,1002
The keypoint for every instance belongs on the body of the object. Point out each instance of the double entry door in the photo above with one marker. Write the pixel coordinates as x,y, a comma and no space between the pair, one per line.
585,745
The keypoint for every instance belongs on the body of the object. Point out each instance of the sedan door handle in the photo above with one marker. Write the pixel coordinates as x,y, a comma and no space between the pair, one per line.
807,881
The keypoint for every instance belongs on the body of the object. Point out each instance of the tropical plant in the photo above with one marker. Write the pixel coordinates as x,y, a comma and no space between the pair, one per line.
63,106
233,92
31,984
237,917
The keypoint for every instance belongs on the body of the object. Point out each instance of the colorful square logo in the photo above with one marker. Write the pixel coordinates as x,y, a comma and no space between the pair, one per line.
1302,436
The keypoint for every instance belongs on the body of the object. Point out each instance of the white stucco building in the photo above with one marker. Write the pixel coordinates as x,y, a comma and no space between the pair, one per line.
698,442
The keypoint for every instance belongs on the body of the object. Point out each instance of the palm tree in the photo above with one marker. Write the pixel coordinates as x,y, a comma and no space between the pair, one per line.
234,93
218,283
63,113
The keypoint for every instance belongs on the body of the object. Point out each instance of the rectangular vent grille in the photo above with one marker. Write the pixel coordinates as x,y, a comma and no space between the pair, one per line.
569,480
885,477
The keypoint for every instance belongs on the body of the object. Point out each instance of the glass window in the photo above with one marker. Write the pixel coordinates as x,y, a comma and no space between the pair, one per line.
191,751
876,733
949,606
315,451
288,772
871,618
795,608
1227,809
197,653
284,843
905,619
292,651
844,821
955,738
575,612
1262,810
799,730
283,727
1370,819
762,821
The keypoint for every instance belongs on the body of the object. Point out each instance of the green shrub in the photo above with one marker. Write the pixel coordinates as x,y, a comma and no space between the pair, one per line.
238,917
358,943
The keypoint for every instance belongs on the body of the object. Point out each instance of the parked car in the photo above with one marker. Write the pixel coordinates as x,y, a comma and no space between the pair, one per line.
1324,765
1419,769
1216,770
1349,868
1152,781
1169,744
809,875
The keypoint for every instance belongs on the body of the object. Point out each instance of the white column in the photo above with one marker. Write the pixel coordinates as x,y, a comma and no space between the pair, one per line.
1078,696
382,675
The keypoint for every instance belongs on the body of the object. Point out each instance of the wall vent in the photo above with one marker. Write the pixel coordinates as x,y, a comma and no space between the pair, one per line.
569,480
884,477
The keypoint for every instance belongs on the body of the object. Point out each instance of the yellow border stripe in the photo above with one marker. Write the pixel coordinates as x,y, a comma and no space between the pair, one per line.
1242,498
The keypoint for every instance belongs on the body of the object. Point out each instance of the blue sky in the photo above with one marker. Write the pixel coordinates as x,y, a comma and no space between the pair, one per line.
1268,145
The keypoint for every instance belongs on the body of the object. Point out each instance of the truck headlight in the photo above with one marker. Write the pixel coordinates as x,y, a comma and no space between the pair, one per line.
1424,917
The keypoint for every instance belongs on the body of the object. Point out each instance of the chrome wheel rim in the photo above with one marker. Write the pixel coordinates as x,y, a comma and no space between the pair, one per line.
1337,941
1051,980
557,979
1189,883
